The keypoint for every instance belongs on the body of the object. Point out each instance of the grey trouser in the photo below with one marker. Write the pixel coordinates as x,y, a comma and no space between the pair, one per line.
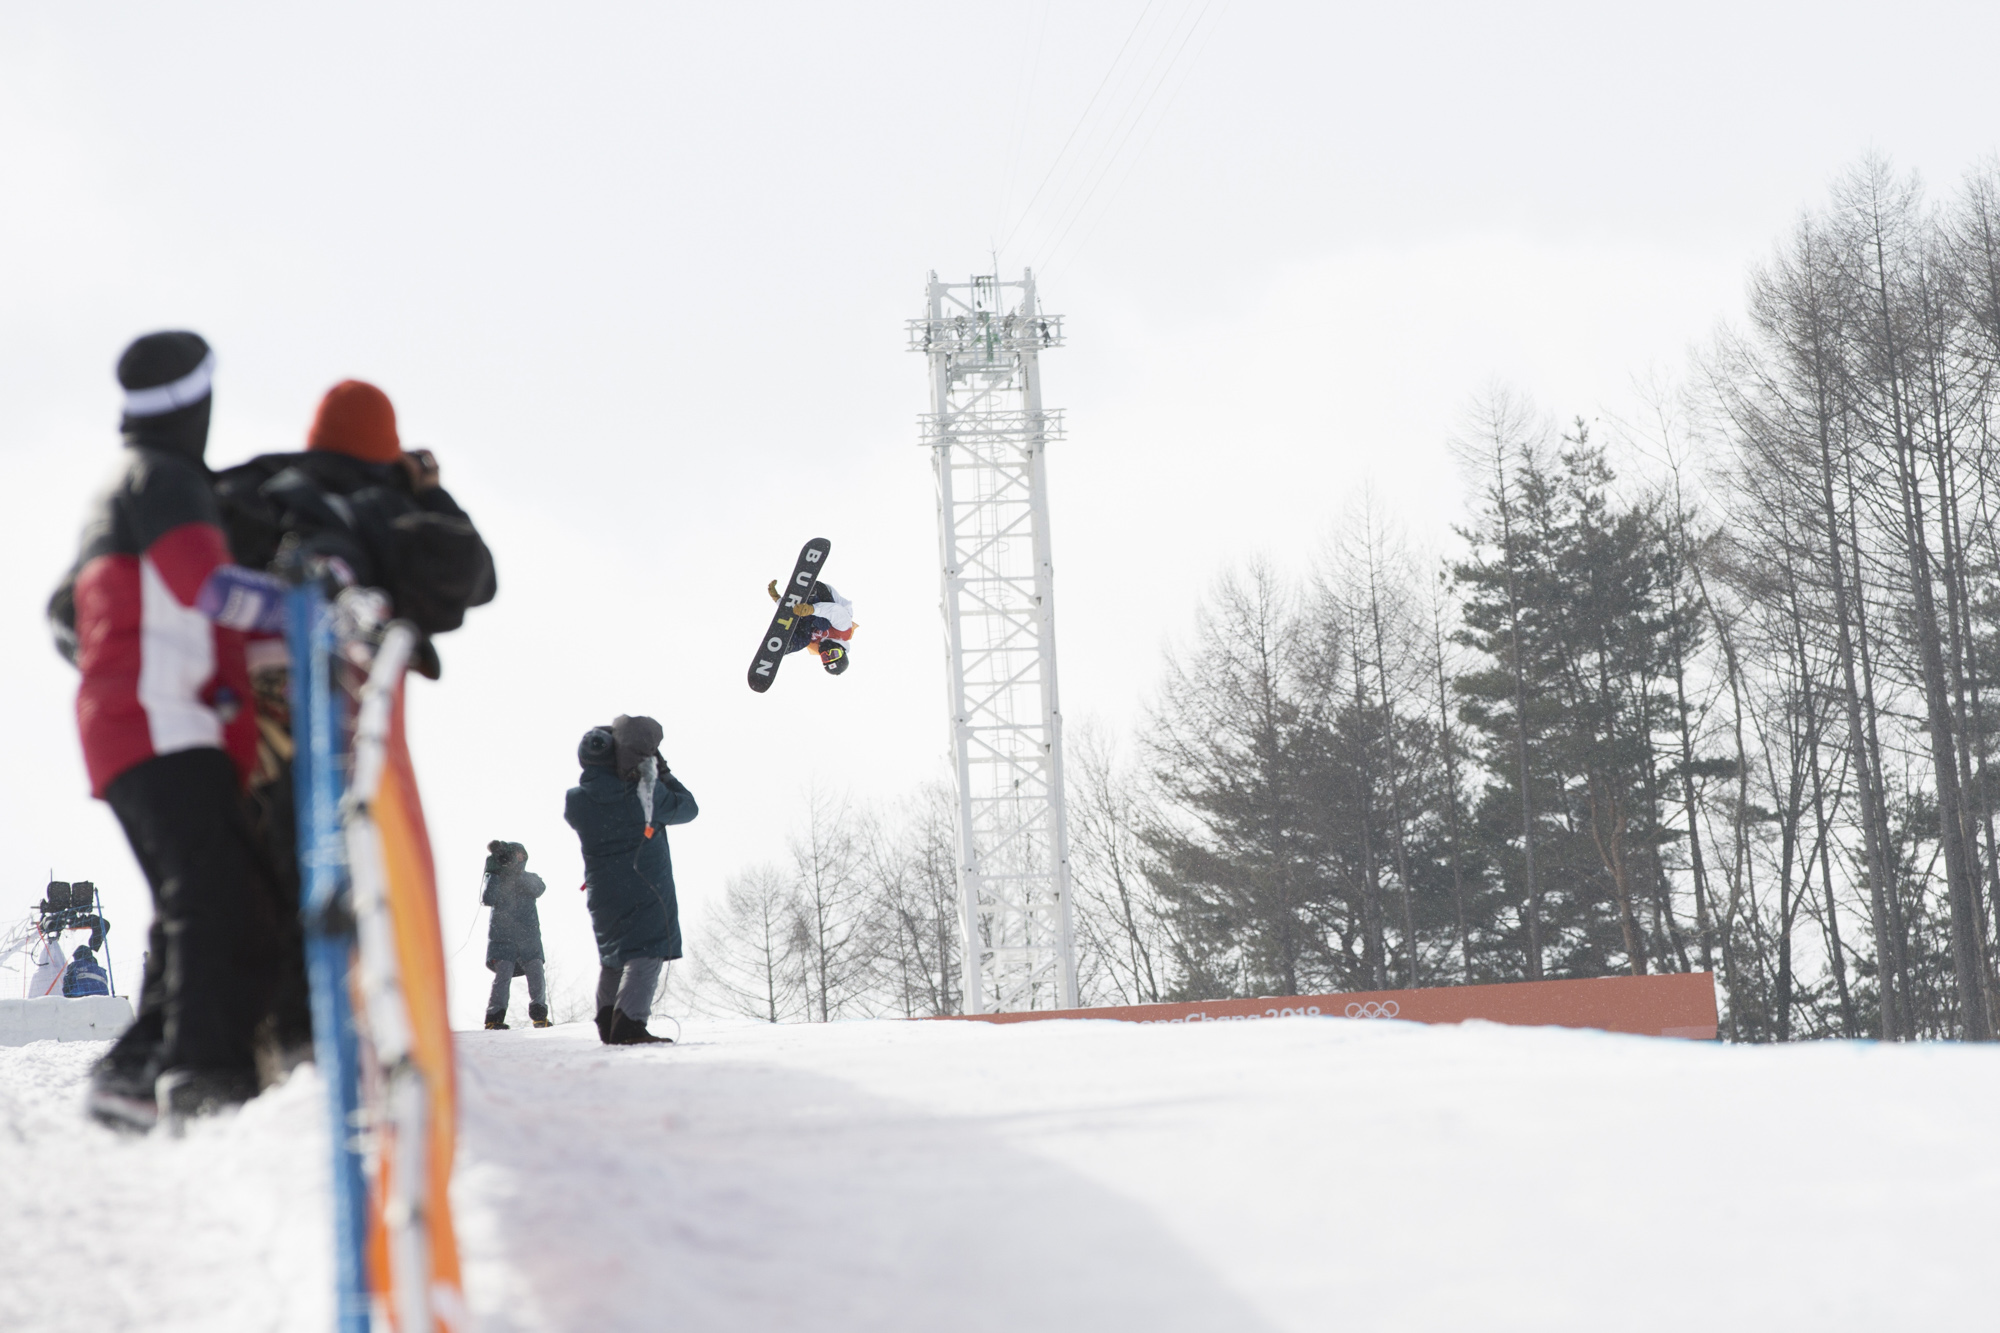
503,981
630,988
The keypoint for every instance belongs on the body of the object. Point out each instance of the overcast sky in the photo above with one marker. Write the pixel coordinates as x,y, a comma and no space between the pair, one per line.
639,274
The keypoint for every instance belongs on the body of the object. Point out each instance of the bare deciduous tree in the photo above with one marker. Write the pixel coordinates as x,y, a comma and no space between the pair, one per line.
749,961
829,892
1123,950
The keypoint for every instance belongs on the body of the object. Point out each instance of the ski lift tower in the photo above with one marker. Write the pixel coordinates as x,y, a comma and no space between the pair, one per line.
986,431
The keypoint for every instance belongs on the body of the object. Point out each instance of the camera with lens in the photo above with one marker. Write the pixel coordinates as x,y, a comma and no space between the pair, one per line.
72,905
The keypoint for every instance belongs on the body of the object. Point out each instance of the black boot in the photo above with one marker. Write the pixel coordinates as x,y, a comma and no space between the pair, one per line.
280,1048
186,1093
123,1098
630,1032
538,1014
496,1022
121,1094
604,1025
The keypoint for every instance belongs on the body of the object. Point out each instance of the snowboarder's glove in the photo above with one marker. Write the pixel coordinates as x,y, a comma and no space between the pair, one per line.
244,599
773,590
803,609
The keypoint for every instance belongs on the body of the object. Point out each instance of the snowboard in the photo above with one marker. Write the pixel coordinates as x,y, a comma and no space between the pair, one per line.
771,651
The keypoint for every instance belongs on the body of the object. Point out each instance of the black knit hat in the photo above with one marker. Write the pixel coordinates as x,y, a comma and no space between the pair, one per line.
167,380
597,748
161,358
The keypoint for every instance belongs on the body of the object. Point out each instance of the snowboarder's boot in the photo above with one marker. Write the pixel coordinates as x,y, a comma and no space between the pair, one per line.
186,1093
629,1032
538,1014
496,1022
604,1025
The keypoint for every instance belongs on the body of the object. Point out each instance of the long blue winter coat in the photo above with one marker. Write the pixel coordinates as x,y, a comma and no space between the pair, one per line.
629,878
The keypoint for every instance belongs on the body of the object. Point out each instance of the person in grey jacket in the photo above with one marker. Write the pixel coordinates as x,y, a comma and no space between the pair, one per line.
514,935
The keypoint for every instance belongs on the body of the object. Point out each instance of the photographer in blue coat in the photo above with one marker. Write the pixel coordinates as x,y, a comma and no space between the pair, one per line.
620,809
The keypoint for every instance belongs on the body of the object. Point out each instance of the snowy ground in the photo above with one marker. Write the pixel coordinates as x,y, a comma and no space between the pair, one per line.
1296,1174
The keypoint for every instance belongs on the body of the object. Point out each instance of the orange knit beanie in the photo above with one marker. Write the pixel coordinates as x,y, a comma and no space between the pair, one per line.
356,419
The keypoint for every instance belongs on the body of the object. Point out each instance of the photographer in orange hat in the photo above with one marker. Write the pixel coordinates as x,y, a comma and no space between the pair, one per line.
358,420
357,495
376,513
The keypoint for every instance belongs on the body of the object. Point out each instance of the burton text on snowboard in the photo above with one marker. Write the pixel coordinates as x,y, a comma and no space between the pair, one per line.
770,652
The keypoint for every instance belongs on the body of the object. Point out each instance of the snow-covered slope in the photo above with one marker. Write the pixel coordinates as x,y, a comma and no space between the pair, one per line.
225,1229
1297,1174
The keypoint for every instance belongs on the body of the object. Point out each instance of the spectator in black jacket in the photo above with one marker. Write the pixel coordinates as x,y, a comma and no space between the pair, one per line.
514,933
355,496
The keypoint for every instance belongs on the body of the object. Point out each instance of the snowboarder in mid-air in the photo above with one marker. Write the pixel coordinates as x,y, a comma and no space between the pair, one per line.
824,623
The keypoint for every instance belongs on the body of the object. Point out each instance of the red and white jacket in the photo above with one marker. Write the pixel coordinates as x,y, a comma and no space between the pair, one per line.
158,676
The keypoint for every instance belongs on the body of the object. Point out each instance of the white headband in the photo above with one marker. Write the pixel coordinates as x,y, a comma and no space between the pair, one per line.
163,398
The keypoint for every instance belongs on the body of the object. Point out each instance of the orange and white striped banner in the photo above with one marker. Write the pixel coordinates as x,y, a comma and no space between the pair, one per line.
409,1083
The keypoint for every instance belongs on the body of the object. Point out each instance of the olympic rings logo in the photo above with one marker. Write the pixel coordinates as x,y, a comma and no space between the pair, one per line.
1371,1009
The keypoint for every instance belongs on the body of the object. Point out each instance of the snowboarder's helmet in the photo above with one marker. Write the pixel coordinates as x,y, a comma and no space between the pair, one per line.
833,657
83,954
597,748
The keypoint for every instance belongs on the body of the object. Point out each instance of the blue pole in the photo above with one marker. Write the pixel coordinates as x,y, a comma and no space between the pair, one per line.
319,736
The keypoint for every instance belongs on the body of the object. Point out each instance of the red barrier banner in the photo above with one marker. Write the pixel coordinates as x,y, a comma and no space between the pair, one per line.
1671,1004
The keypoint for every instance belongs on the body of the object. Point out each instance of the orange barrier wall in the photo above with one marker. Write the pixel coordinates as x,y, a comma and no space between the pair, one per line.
1673,1004
412,877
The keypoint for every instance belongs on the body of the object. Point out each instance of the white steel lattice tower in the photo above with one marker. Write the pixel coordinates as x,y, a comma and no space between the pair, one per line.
986,431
